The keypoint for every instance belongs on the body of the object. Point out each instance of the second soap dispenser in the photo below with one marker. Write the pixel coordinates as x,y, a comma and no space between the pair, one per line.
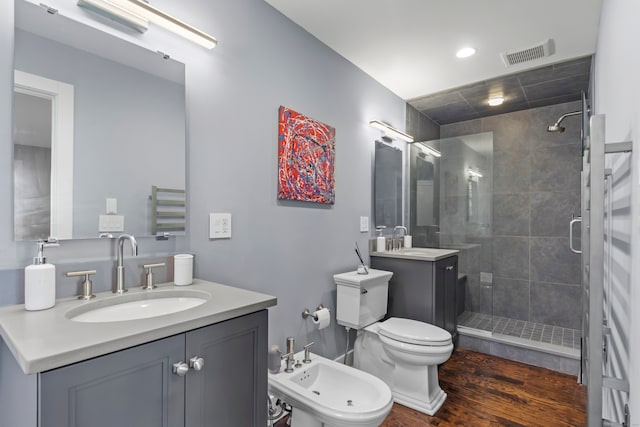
381,242
40,281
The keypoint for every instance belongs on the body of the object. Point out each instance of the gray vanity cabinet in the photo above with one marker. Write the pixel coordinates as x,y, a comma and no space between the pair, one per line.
422,290
136,387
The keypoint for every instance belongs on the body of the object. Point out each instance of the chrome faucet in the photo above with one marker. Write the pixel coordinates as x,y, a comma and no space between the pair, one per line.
120,289
289,355
394,240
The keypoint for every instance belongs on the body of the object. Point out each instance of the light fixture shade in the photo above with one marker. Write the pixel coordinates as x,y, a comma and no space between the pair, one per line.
471,172
170,23
496,100
432,151
391,131
117,13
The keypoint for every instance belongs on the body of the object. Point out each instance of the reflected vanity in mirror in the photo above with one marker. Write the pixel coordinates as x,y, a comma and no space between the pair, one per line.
98,122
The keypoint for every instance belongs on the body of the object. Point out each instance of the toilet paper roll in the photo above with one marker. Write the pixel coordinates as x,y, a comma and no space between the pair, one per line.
323,317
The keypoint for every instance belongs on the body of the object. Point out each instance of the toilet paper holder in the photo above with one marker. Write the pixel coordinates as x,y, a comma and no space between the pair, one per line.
306,313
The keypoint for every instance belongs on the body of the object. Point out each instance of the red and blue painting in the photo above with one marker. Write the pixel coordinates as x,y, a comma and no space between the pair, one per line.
306,158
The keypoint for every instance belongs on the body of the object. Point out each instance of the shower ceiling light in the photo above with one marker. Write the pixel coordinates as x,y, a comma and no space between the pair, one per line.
496,100
465,52
391,131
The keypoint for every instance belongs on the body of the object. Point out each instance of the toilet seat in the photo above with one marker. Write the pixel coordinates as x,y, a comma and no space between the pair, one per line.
410,331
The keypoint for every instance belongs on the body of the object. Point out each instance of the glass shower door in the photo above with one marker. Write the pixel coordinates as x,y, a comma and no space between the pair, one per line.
451,206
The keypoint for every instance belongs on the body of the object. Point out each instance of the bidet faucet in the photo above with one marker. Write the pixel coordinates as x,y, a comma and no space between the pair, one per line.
120,288
289,355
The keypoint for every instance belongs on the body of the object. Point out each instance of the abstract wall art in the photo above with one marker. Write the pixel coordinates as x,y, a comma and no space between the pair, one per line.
306,158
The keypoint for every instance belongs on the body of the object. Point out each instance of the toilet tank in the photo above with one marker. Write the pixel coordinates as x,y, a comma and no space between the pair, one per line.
361,298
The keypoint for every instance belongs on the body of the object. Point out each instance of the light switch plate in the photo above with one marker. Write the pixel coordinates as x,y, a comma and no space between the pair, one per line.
110,223
219,225
364,224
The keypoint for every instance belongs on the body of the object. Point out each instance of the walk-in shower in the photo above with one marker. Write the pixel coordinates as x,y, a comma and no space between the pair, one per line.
556,126
504,206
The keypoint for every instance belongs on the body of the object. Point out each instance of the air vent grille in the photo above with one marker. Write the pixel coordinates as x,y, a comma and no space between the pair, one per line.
529,54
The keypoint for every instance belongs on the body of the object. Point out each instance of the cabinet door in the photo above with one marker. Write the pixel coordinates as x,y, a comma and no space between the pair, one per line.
129,388
412,293
231,387
447,283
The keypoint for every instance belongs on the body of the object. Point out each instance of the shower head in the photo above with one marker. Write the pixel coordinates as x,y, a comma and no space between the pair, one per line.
556,127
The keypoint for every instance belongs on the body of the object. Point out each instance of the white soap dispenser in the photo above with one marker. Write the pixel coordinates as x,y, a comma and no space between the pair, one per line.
40,281
381,243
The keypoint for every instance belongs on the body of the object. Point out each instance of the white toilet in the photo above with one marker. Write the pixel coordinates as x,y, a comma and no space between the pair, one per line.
404,353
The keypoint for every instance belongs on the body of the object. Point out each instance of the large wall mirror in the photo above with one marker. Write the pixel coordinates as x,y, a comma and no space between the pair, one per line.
98,122
387,185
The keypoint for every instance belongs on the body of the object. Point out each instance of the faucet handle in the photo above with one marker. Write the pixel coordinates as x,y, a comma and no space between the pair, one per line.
87,292
149,267
307,359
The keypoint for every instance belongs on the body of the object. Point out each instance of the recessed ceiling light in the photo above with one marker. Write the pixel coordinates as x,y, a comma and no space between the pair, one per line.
465,52
496,100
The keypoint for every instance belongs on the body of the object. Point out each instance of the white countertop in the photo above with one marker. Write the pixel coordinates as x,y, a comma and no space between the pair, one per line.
420,254
47,339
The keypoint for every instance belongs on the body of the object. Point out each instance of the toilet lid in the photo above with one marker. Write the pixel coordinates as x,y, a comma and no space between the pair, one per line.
414,332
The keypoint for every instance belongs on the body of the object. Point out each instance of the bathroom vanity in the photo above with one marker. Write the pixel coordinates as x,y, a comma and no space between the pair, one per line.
202,366
423,286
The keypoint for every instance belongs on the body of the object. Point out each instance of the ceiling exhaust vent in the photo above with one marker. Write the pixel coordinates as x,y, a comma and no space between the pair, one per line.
540,50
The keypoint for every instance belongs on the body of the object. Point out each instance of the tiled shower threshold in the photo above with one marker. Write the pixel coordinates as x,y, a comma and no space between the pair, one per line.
530,335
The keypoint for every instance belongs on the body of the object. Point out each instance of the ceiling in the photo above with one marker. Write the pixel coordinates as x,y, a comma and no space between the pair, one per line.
409,47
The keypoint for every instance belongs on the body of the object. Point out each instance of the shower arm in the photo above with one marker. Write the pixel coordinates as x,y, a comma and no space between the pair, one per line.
564,116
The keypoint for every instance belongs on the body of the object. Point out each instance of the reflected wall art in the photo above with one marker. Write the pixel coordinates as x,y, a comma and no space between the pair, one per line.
306,158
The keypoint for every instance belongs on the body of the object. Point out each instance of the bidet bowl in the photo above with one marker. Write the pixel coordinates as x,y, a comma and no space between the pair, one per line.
140,305
333,394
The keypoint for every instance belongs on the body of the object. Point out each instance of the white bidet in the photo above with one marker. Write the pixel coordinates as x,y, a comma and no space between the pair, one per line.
325,393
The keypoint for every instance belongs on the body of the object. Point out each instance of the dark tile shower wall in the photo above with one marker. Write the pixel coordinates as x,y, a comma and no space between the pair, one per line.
536,188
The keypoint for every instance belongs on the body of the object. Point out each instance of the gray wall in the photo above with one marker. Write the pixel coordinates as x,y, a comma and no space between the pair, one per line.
290,250
536,188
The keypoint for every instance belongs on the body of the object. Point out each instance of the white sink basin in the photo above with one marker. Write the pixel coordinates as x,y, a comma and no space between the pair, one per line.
140,305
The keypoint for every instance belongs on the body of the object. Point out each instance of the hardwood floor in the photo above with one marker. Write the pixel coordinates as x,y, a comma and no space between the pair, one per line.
488,391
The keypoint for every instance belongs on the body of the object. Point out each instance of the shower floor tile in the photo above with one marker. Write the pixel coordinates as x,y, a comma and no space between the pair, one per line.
532,331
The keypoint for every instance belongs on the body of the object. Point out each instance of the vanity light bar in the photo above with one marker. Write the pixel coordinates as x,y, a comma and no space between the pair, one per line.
430,150
116,13
389,130
158,17
471,172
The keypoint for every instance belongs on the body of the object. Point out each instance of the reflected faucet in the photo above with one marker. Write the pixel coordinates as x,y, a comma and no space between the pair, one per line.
120,289
397,243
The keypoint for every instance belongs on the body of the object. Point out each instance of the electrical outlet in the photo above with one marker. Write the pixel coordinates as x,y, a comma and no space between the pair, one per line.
219,225
110,223
364,224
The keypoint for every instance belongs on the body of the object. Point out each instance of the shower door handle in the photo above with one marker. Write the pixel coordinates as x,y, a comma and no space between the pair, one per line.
574,220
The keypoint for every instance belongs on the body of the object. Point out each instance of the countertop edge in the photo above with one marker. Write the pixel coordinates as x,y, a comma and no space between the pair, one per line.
446,253
80,352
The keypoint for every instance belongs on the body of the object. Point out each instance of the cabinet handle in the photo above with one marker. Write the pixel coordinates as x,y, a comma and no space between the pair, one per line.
197,363
449,267
180,369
